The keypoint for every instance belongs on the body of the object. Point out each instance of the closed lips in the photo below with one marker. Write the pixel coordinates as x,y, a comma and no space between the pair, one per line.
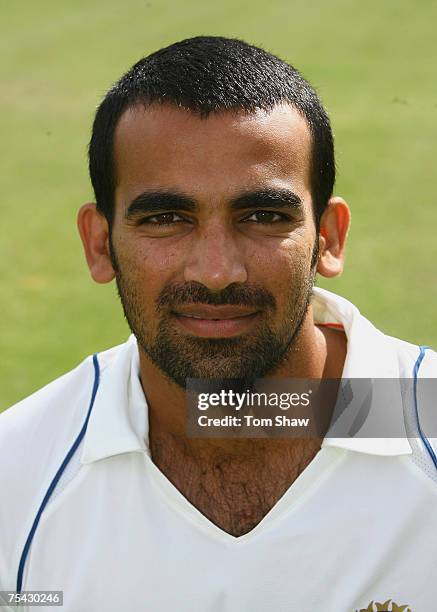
214,312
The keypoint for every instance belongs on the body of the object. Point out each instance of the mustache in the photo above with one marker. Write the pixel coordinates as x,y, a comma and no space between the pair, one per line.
236,294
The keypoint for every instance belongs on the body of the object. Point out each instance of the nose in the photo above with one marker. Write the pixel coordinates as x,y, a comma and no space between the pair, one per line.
216,260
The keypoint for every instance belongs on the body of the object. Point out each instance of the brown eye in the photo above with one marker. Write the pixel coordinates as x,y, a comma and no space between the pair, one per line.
266,216
162,219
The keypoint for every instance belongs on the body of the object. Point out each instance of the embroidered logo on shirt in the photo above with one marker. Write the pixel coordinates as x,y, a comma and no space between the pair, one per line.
387,606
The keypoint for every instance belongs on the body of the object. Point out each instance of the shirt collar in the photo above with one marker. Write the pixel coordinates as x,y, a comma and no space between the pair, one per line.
119,418
370,355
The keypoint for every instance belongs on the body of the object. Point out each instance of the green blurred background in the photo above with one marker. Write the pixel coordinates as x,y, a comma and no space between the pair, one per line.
374,65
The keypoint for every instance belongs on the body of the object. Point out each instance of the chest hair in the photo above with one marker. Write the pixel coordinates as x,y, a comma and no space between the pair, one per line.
234,490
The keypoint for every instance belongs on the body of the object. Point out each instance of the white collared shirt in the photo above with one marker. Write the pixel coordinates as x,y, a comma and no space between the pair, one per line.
358,525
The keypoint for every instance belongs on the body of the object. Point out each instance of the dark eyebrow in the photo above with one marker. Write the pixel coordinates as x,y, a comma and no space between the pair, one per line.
267,198
157,201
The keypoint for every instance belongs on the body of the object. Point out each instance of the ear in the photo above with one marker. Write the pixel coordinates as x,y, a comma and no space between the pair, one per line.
94,232
334,225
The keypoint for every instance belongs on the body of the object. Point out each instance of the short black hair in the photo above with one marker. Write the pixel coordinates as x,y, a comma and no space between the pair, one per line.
211,74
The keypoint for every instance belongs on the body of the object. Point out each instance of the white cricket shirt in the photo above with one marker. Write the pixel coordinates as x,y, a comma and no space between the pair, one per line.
358,525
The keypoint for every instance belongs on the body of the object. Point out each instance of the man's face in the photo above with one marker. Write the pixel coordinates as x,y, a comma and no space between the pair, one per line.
213,238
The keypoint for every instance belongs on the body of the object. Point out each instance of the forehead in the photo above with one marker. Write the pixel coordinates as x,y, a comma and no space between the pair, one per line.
163,146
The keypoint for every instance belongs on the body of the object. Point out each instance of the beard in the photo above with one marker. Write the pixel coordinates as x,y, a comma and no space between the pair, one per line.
181,356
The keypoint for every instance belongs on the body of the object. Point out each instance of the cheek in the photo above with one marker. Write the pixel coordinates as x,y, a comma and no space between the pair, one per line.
148,265
280,261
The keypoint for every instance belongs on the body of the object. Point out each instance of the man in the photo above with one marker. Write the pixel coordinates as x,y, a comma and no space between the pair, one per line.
213,169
